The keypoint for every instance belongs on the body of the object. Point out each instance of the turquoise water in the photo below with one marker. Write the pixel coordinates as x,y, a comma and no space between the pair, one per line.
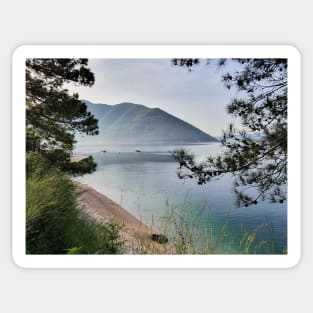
145,183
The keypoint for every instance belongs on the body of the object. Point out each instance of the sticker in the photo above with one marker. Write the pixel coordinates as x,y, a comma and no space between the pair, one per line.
156,156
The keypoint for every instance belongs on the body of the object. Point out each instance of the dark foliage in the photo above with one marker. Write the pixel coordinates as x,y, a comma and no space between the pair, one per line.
259,162
53,116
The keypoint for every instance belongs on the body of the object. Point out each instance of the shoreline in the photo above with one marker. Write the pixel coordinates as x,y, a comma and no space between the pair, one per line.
78,158
102,208
136,235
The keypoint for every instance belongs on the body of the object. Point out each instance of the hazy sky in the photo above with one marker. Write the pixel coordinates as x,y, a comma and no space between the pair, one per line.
198,97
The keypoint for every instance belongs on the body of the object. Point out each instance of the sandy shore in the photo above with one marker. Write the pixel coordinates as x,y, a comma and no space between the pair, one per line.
137,235
78,158
102,208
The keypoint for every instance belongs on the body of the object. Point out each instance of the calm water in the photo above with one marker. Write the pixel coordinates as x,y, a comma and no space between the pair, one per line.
146,184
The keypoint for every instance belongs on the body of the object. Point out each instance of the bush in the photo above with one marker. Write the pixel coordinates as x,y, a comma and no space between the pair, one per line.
85,166
36,164
41,163
55,224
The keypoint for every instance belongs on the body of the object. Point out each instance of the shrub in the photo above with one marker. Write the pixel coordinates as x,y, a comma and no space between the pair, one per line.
55,223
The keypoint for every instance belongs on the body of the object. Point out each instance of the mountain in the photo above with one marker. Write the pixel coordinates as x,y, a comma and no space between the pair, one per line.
135,123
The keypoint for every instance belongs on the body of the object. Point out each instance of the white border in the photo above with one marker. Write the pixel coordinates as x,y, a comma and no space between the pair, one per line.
156,261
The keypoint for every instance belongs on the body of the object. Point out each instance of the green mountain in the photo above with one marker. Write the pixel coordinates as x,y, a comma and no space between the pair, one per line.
135,123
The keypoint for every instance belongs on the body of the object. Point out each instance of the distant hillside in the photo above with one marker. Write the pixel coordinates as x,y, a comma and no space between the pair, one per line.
135,123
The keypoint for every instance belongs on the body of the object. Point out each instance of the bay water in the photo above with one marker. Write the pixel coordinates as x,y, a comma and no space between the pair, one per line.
146,184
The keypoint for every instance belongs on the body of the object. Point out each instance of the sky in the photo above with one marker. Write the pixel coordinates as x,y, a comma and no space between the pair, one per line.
197,97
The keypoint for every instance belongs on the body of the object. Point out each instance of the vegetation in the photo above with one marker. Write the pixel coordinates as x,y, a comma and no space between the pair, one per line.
56,223
187,235
183,231
261,104
55,220
53,116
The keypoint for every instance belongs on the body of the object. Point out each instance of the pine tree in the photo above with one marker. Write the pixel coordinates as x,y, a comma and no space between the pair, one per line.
53,115
261,104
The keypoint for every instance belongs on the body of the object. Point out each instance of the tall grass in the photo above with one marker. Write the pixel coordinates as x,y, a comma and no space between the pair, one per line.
189,234
55,223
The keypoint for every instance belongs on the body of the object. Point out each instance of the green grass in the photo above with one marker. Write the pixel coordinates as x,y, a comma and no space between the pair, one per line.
56,224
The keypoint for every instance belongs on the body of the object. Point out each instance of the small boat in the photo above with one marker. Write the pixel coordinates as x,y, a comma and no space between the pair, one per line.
137,150
103,151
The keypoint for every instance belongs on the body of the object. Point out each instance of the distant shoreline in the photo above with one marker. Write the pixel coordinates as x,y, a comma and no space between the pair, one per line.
78,158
